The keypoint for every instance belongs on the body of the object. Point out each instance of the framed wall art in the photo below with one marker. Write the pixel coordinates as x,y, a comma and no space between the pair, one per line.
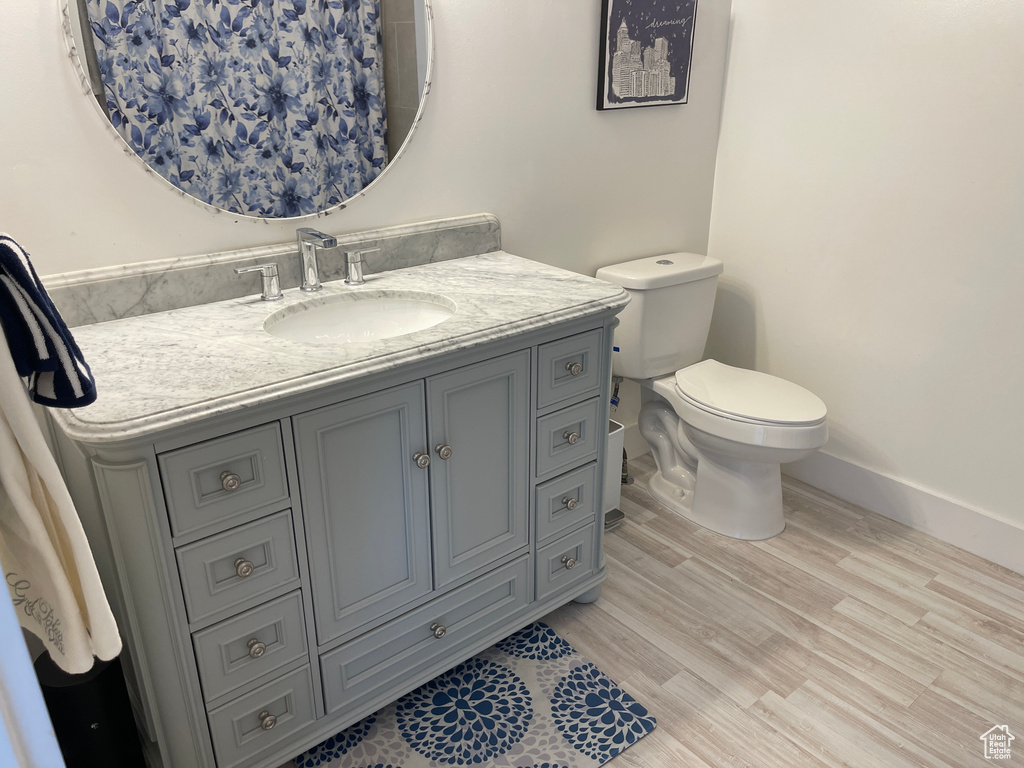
646,50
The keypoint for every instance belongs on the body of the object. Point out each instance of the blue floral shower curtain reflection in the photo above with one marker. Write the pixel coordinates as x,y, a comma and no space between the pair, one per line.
268,108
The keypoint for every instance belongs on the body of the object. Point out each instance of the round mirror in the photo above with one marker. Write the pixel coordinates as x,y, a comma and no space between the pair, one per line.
263,108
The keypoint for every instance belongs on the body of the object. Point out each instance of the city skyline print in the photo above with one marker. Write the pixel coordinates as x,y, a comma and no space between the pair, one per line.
646,49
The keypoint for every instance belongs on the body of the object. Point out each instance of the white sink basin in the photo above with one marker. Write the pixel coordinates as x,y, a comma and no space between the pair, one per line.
345,318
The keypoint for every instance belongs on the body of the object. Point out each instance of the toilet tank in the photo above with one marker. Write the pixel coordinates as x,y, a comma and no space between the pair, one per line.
665,325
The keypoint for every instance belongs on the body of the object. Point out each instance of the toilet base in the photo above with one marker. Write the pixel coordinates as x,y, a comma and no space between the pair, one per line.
736,498
710,480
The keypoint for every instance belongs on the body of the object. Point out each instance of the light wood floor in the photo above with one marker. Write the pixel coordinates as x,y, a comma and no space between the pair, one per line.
847,640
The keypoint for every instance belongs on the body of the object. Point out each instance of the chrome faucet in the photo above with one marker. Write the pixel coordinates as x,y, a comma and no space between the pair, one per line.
309,241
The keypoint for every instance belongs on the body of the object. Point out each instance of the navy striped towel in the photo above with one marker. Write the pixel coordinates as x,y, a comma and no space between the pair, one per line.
41,345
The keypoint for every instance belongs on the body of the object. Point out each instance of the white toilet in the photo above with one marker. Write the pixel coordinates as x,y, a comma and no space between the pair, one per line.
718,433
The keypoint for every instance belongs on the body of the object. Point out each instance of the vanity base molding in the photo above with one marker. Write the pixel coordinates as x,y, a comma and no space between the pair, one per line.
281,572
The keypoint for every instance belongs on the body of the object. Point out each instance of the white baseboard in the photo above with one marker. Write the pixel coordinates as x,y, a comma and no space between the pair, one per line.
974,530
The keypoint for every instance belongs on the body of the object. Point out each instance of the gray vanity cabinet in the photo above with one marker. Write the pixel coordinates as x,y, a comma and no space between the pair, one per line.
365,501
281,572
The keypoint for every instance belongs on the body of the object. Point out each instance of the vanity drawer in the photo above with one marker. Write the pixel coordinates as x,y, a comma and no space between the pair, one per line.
576,489
219,479
238,729
565,561
245,562
568,368
568,438
379,660
251,645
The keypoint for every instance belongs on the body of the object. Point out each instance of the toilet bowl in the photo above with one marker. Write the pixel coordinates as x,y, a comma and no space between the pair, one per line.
718,440
718,433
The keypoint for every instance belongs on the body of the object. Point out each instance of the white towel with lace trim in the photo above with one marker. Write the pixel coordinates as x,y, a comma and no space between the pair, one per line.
44,554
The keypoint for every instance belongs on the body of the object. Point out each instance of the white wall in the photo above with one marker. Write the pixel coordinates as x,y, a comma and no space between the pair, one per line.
869,208
510,129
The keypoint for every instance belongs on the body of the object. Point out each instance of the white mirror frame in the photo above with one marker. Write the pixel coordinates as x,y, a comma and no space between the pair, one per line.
71,25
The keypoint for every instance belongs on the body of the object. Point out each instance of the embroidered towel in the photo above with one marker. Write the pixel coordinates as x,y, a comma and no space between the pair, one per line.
40,343
46,560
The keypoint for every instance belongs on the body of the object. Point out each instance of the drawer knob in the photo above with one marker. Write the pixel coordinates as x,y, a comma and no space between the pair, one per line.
256,648
422,459
244,568
438,629
570,503
444,451
574,369
229,481
568,562
267,720
571,437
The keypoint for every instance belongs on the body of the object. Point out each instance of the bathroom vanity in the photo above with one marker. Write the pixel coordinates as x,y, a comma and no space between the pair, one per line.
295,533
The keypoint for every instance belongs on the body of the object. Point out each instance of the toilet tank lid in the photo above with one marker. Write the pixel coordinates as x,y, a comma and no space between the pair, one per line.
660,271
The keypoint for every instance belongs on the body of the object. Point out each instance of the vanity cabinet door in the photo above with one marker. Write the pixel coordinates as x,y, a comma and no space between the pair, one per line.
478,422
365,505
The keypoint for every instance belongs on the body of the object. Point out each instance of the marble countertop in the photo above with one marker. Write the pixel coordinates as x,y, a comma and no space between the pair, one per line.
169,369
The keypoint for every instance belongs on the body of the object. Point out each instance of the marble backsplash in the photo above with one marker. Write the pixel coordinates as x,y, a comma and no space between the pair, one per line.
95,296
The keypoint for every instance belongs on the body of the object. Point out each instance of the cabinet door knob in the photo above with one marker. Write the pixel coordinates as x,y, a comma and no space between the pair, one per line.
267,720
570,503
256,648
568,562
444,451
422,459
574,369
244,568
229,481
438,629
571,437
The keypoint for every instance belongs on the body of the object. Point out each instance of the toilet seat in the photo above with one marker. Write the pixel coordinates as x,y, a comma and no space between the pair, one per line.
744,429
748,396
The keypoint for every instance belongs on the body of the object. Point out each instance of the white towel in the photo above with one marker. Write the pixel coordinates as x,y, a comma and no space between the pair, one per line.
44,554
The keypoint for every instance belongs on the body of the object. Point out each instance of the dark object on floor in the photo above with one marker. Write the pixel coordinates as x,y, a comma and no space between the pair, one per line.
91,715
612,518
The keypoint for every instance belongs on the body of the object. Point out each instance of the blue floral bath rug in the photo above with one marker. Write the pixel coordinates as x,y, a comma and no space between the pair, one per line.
531,701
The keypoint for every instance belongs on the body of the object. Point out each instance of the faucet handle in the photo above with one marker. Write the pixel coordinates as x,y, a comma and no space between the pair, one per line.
269,279
355,265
